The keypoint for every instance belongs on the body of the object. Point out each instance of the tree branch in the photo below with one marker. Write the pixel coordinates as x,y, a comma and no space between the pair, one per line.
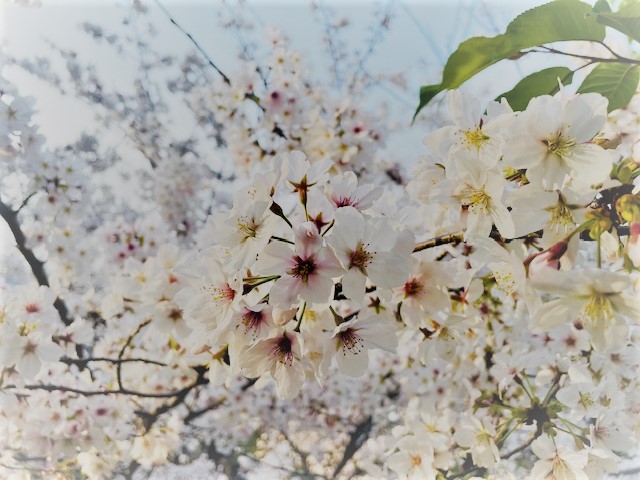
124,347
438,241
356,439
37,267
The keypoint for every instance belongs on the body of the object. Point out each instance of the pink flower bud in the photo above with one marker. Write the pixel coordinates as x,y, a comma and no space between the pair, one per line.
549,258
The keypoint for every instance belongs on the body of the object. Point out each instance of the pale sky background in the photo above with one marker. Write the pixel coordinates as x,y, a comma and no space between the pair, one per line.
422,35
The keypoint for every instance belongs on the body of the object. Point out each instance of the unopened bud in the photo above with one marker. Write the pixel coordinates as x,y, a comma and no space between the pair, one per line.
549,258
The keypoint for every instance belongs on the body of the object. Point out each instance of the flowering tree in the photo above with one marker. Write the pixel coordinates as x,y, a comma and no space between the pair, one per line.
295,307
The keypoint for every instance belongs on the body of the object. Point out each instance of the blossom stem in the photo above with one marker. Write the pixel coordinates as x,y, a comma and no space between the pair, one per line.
555,386
529,389
283,240
196,44
247,287
304,307
618,59
508,432
329,227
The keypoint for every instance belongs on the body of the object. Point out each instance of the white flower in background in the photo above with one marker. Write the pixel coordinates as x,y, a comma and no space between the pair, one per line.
369,248
478,436
306,271
28,353
352,340
552,141
94,464
281,356
154,446
601,462
596,298
33,306
557,462
611,432
413,460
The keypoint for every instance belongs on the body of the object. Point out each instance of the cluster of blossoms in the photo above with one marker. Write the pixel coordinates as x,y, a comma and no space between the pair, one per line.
258,105
479,322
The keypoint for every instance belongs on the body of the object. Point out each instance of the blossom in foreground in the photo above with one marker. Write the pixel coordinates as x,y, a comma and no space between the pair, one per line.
424,291
596,298
553,141
245,231
369,248
352,340
478,436
343,191
305,272
281,356
480,193
472,137
213,294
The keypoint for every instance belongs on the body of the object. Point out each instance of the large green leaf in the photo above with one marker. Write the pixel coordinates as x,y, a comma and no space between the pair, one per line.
544,82
625,20
552,22
616,81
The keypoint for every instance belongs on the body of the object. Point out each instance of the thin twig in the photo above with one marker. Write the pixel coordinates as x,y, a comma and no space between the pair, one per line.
195,43
115,361
585,57
124,347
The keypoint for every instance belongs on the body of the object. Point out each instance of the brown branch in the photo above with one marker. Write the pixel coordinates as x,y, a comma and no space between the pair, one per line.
193,414
438,241
82,362
149,418
356,439
37,267
523,446
92,393
124,347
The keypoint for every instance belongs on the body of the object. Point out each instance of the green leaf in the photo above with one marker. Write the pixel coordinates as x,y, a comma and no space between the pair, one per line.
625,20
616,81
544,82
602,6
552,22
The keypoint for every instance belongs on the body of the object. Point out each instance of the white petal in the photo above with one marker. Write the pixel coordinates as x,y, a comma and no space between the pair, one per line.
552,314
353,365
